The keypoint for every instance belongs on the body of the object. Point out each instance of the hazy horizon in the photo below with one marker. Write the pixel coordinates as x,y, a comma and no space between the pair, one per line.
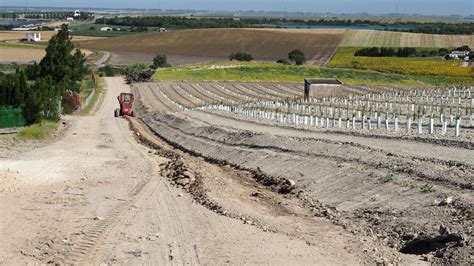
424,7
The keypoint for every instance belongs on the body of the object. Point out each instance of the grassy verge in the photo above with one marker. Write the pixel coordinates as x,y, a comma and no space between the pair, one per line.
40,131
95,98
86,87
259,72
21,46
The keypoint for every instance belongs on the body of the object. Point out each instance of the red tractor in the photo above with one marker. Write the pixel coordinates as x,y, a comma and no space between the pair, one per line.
126,105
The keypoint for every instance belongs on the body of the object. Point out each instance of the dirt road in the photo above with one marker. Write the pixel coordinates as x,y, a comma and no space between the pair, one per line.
97,196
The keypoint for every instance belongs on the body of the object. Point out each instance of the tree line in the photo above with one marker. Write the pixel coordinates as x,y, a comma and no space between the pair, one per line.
406,52
203,22
37,89
173,22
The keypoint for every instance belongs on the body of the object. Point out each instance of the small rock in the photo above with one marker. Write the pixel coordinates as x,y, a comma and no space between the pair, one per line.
98,218
182,181
180,195
428,257
290,182
446,201
188,174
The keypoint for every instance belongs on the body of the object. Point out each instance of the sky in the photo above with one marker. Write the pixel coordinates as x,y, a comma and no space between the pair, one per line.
425,7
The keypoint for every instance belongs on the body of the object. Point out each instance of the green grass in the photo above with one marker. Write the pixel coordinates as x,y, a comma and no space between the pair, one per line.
95,98
243,72
86,88
40,131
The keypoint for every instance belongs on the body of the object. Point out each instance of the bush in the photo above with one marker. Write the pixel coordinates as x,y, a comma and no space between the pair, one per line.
284,61
107,71
241,57
297,56
159,61
71,101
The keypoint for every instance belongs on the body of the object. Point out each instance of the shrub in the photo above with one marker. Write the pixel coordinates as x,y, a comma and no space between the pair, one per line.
284,61
107,71
160,60
241,57
426,188
297,56
71,101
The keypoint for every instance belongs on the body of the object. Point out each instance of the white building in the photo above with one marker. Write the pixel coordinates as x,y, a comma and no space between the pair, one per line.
77,13
70,19
106,29
33,37
458,54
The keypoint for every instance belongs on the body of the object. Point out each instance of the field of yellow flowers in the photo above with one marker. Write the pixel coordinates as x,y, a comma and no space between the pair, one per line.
345,58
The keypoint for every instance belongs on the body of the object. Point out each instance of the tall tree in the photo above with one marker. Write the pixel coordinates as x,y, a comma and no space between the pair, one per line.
59,62
297,56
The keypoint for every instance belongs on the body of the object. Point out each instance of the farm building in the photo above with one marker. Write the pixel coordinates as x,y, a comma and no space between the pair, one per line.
33,37
70,19
77,13
458,54
106,29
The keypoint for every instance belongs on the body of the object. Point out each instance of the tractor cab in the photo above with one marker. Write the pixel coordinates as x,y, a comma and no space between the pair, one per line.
126,101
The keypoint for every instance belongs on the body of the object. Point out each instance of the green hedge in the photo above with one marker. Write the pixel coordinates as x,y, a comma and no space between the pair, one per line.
11,117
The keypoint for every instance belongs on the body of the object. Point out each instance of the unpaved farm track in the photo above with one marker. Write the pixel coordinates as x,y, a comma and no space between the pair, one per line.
96,195
405,195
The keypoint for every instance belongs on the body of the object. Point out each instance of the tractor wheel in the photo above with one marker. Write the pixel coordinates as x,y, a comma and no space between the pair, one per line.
117,112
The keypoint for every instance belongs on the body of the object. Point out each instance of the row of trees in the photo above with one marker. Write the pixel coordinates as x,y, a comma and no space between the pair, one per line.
173,22
406,52
37,89
191,23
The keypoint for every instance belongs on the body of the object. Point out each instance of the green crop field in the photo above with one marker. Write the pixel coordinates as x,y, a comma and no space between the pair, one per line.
345,58
370,38
244,72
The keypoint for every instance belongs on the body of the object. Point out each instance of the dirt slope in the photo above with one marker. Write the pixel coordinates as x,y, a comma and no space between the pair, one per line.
97,196
263,44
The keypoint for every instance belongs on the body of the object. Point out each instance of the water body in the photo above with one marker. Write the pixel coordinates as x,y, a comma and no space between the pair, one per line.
369,27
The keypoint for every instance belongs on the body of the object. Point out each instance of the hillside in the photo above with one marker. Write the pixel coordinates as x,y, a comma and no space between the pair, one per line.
369,38
263,44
